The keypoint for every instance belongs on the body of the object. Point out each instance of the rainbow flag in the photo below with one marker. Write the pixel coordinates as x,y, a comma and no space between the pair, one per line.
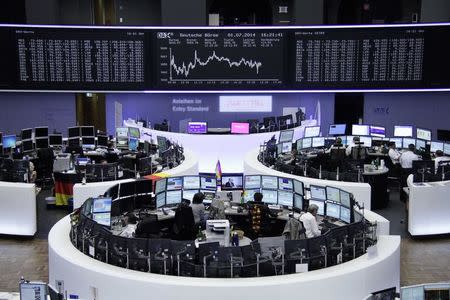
218,171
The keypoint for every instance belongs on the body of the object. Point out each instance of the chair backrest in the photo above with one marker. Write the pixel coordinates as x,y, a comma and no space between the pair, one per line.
184,222
359,153
148,226
337,154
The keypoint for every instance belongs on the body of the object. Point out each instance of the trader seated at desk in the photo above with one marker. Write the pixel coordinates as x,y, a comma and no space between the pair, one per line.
198,209
309,221
259,216
356,149
440,158
393,153
337,145
408,156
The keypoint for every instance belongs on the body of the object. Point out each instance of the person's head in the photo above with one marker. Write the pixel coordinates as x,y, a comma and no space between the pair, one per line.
312,209
356,139
439,153
131,218
198,198
391,145
338,141
411,147
258,197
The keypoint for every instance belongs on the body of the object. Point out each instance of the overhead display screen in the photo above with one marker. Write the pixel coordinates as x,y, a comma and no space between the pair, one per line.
339,58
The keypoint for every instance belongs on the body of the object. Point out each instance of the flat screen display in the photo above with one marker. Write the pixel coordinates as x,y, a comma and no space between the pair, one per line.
298,187
407,142
318,142
41,143
367,140
269,182
40,132
249,193
174,183
345,214
26,134
209,196
443,135
306,143
435,146
103,218
134,132
160,200
191,182
9,141
73,132
398,142
423,134
320,204
173,198
270,196
32,291
377,131
286,147
122,132
312,131
27,146
101,205
230,182
160,186
208,183
240,128
88,142
403,131
87,131
74,142
102,141
333,194
285,198
360,129
421,144
189,194
285,184
345,198
318,192
133,144
333,210
252,182
286,136
55,140
337,129
197,127
447,148
298,201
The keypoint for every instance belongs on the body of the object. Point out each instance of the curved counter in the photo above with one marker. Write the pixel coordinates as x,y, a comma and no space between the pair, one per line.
82,274
361,191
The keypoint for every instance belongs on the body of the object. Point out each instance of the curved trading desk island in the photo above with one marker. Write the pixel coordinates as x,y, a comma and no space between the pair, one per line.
78,257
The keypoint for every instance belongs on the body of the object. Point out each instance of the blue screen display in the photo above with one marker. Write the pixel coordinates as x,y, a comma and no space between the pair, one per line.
9,141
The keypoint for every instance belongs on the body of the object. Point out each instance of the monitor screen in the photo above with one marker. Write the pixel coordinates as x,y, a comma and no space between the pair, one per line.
333,194
208,182
160,200
189,194
279,149
191,182
367,140
209,196
285,198
286,136
344,139
174,183
102,141
134,132
173,198
133,144
306,143
73,132
88,142
55,140
40,132
122,132
101,205
270,196
252,182
377,131
403,131
398,142
269,182
197,127
285,184
299,145
87,131
443,135
447,148
286,147
240,128
333,210
345,198
318,192
320,204
407,142
73,142
436,146
312,131
9,141
249,193
298,187
32,290
298,201
160,186
337,129
345,214
26,134
102,218
318,142
232,181
360,129
421,144
162,143
41,143
423,134
27,146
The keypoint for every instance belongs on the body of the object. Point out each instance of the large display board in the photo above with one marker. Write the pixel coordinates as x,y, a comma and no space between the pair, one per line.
82,58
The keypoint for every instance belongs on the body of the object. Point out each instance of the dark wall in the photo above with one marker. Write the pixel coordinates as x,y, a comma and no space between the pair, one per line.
308,12
76,12
183,13
129,12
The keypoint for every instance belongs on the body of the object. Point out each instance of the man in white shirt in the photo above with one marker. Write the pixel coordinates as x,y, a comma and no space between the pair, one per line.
393,153
407,157
309,221
439,157
352,144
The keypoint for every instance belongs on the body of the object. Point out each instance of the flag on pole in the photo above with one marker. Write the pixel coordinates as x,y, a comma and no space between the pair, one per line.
218,171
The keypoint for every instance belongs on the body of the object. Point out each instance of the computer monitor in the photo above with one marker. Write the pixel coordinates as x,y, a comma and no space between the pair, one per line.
73,132
174,183
423,134
87,131
447,148
286,147
286,136
299,145
403,131
88,142
209,196
435,146
318,192
318,142
252,182
134,132
337,129
191,182
173,198
232,181
345,198
189,194
306,143
358,129
102,141
270,196
285,198
279,149
377,131
240,128
345,214
160,200
197,127
27,146
398,142
122,132
133,144
333,194
367,140
208,182
285,184
55,140
298,202
41,143
73,142
421,144
102,204
9,141
26,134
160,185
344,139
298,187
40,132
32,290
407,142
269,182
333,210
102,218
320,204
249,193
443,135
423,165
312,131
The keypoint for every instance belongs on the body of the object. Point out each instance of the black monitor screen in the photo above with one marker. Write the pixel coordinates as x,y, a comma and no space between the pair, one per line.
102,141
27,146
41,143
443,135
73,142
40,132
73,132
26,134
55,139
87,131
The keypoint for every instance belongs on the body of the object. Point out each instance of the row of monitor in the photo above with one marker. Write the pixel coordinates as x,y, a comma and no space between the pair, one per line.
202,127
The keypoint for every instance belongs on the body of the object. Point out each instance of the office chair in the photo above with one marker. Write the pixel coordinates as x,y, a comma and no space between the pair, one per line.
101,243
337,243
140,259
250,258
317,252
20,171
295,252
148,227
183,257
44,167
184,224
118,252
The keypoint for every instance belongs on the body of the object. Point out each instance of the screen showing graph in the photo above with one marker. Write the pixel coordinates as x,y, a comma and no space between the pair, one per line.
237,59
